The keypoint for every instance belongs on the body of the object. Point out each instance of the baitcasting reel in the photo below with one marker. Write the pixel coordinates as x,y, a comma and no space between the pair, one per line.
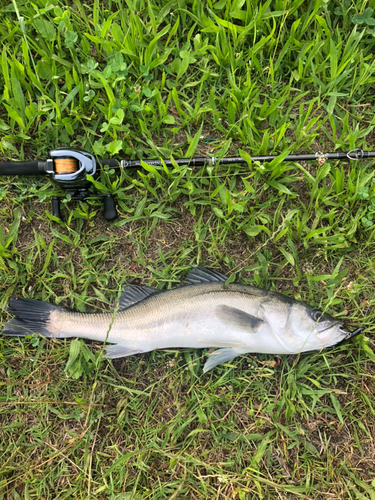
69,169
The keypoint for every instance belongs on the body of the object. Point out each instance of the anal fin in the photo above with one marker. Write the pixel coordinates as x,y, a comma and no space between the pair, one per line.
119,351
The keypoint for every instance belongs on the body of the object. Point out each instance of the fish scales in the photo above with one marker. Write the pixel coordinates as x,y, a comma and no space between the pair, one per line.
187,308
205,312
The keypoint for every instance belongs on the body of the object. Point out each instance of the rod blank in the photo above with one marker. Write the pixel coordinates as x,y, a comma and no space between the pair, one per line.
355,154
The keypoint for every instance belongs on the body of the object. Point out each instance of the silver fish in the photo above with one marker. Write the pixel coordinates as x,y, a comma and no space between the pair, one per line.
204,312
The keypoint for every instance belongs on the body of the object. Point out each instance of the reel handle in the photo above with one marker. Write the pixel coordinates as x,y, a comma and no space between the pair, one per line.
109,213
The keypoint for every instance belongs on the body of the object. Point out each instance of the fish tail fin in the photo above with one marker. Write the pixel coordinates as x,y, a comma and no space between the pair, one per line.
31,316
221,356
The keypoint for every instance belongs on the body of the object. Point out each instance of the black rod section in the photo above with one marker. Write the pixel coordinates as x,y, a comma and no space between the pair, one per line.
355,154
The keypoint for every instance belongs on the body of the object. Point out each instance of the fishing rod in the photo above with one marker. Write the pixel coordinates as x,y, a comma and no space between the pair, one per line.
69,168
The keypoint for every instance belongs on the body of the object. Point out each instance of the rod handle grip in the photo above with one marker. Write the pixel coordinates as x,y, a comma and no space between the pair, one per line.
22,167
109,162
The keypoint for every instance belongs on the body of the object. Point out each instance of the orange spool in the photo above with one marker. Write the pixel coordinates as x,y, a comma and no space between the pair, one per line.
66,165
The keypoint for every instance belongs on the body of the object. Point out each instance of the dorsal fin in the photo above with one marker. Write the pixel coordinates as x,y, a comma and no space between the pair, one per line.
201,274
132,294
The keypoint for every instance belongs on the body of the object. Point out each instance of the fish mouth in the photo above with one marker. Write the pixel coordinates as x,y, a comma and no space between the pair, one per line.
342,334
343,331
324,328
348,335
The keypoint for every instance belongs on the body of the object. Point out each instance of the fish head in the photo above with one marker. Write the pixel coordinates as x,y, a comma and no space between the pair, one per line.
315,329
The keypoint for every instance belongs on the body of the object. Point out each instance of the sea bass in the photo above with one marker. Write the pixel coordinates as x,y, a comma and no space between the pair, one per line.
203,312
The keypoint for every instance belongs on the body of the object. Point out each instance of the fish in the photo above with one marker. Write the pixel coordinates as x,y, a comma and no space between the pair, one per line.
203,312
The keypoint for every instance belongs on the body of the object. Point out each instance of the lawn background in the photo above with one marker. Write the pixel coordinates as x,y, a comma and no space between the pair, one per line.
150,79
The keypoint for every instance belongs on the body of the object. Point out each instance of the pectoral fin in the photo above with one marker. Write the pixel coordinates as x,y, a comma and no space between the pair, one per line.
234,317
220,356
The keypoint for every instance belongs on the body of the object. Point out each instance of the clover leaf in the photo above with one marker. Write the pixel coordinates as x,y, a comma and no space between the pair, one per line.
366,18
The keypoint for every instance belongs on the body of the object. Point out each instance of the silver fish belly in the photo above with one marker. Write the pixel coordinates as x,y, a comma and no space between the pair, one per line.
204,312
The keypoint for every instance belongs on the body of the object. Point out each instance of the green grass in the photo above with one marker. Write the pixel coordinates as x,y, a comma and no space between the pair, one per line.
150,79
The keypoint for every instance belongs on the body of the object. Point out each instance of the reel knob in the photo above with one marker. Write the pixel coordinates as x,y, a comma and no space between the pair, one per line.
110,212
56,207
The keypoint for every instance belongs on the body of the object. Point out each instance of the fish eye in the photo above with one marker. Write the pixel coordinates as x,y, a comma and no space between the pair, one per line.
316,315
